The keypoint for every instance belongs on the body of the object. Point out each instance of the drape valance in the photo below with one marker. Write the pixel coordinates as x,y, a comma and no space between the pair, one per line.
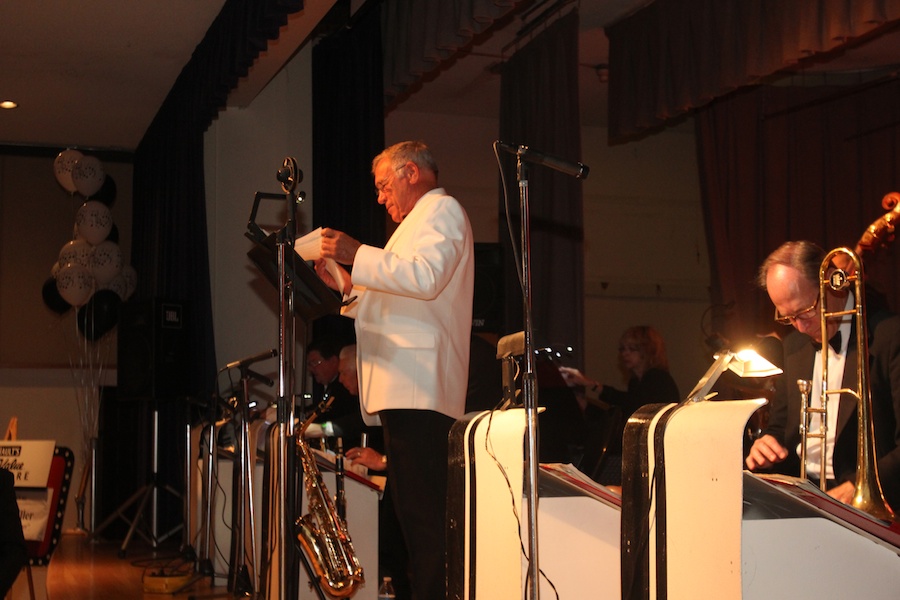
675,55
418,36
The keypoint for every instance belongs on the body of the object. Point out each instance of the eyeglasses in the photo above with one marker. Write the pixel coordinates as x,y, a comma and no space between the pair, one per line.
314,363
804,315
382,186
629,348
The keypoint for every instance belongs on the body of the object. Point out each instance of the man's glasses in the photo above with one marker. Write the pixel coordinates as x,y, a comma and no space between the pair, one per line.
382,186
803,315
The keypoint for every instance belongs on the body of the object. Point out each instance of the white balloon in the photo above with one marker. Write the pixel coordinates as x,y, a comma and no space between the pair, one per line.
75,252
75,284
94,221
54,269
106,261
62,168
88,175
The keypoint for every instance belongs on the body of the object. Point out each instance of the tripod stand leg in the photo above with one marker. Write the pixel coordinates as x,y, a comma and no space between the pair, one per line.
120,512
148,492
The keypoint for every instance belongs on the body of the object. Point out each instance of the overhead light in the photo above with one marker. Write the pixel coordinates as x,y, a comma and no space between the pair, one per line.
8,104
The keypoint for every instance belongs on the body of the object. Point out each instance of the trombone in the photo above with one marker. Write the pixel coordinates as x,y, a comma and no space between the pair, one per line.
867,495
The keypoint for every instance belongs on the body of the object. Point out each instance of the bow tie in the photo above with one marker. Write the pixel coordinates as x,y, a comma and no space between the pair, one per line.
834,342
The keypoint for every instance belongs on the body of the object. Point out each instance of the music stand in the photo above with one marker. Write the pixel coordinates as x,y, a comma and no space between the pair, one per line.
301,294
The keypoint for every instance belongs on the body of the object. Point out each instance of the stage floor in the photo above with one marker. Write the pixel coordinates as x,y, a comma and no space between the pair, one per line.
81,569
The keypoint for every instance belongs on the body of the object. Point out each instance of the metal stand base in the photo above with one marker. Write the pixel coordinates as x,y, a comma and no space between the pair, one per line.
148,493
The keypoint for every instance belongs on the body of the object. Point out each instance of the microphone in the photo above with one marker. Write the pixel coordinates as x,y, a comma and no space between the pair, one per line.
575,169
289,175
252,359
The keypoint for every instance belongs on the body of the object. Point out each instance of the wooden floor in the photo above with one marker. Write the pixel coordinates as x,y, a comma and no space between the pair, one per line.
82,569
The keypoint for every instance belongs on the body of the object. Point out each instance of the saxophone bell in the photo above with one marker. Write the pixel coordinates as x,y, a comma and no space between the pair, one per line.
322,533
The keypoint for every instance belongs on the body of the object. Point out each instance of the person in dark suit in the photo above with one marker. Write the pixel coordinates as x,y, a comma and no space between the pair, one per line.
13,552
790,275
343,418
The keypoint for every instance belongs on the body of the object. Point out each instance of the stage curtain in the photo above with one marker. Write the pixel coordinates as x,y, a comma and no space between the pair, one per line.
420,35
169,238
675,55
539,108
348,132
790,163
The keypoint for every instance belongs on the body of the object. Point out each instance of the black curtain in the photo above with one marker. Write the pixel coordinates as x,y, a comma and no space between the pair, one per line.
790,163
539,108
169,238
348,132
169,248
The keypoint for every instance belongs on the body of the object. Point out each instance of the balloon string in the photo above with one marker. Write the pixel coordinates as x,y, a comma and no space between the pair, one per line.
86,361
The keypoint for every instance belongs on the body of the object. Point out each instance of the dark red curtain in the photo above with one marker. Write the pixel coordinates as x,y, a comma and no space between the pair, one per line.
787,163
676,55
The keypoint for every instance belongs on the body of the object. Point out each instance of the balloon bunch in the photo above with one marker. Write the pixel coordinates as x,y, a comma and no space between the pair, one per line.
90,273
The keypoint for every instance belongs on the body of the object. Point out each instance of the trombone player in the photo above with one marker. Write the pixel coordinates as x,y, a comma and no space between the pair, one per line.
790,275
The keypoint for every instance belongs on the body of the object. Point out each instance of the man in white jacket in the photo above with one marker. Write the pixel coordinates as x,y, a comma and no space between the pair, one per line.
412,301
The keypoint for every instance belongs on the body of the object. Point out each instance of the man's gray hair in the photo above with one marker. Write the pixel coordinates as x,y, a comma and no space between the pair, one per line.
804,256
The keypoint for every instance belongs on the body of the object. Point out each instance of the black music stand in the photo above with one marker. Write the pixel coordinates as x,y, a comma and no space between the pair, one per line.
301,294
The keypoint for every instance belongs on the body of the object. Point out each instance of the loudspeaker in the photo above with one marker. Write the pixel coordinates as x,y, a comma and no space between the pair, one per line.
152,354
487,307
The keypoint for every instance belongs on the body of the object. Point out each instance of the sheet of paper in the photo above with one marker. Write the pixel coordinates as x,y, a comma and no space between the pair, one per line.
309,247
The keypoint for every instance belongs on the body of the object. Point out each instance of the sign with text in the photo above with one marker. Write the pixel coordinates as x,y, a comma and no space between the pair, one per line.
28,460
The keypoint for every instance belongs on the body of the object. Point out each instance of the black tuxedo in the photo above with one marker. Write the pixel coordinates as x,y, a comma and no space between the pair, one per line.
884,382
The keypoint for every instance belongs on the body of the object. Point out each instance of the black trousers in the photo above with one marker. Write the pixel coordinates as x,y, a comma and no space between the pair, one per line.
416,444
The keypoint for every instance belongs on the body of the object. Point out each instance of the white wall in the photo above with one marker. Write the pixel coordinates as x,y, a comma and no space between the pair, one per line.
244,149
646,260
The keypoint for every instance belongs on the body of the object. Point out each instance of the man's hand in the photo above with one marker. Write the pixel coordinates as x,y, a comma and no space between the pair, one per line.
327,279
339,246
367,457
843,492
765,452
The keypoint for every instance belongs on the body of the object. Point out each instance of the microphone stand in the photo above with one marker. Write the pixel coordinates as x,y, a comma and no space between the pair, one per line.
529,388
243,571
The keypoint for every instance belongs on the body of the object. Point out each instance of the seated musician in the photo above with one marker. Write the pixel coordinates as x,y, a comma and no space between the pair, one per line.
645,368
790,275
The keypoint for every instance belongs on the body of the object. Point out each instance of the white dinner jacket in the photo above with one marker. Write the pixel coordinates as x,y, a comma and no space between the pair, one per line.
413,311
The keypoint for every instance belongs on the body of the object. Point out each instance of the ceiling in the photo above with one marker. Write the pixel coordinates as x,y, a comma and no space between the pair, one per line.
93,74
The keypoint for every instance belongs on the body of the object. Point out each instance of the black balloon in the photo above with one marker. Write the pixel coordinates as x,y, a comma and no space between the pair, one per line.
113,234
99,315
107,192
53,299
